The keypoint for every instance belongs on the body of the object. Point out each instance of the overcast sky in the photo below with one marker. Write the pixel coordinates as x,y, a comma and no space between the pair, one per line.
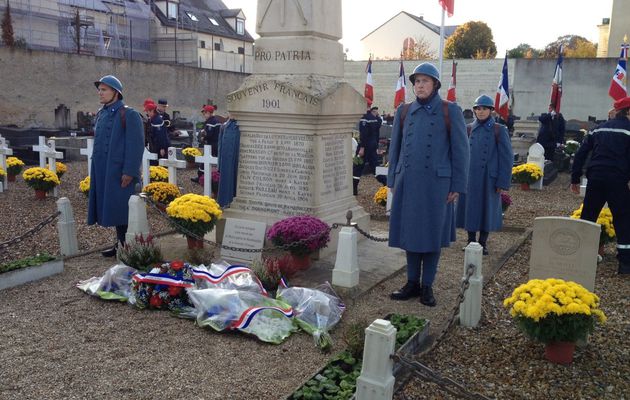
535,22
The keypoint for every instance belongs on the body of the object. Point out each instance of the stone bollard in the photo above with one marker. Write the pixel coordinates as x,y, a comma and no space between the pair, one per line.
346,272
67,228
1,188
470,309
376,381
137,222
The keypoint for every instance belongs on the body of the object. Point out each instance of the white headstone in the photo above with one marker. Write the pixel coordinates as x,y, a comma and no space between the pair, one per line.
243,234
376,381
565,248
346,272
52,155
41,148
146,157
87,151
536,155
138,223
172,163
4,152
384,171
66,227
208,161
470,308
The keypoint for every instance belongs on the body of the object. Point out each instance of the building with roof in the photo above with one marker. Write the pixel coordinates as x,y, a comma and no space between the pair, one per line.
400,33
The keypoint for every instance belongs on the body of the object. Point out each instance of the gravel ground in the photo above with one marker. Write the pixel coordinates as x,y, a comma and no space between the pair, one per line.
58,343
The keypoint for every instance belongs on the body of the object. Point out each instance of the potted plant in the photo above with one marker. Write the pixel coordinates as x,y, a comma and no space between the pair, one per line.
269,272
300,235
608,233
158,174
506,201
84,186
555,312
526,174
141,254
189,154
2,174
61,168
380,197
41,179
196,214
14,167
162,193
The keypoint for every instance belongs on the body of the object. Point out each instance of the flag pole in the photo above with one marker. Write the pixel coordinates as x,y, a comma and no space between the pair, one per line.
625,55
442,41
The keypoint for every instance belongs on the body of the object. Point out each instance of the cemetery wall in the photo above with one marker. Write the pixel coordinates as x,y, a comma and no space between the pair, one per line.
34,83
585,83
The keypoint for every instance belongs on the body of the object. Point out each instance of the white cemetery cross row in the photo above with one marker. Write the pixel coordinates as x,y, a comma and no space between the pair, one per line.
4,152
146,156
51,158
173,164
88,153
207,160
41,148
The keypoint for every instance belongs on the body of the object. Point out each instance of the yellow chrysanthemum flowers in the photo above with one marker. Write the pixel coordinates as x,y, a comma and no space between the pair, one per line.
190,153
61,168
162,192
380,197
84,186
605,219
195,213
526,173
40,178
14,165
158,174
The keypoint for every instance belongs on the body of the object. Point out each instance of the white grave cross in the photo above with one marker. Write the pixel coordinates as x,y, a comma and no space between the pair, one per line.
51,158
207,160
88,152
41,148
4,152
536,155
384,171
146,157
173,164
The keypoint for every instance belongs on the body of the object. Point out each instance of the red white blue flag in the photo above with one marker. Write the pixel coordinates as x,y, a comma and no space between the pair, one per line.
556,85
448,6
369,86
399,97
502,98
618,89
450,95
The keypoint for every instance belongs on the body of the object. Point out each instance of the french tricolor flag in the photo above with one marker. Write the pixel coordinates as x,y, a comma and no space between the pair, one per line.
369,85
502,97
399,97
450,95
618,88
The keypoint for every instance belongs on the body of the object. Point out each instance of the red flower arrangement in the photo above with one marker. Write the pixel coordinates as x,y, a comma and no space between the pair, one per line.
163,287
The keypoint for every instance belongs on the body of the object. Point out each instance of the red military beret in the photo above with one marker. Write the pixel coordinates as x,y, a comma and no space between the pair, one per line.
149,106
622,103
148,100
208,108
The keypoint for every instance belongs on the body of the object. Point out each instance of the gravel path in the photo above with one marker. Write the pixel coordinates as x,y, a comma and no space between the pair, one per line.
58,343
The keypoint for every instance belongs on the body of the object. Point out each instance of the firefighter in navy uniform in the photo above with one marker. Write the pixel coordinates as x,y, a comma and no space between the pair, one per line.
367,134
209,135
608,174
159,141
162,105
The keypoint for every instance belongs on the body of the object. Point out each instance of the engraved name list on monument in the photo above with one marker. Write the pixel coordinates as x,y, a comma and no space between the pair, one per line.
336,179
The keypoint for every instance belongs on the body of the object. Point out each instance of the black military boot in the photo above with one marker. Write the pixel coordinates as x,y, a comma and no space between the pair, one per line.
624,268
426,297
111,252
411,289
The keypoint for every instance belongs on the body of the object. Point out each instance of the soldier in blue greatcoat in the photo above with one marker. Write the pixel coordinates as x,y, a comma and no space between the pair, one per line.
116,159
428,169
490,172
229,146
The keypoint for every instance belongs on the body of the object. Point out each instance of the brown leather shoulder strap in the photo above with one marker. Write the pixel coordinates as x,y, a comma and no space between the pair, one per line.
497,132
123,120
447,120
403,114
468,130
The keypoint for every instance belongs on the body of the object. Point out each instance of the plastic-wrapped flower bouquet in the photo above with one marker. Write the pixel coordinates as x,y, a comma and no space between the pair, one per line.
311,233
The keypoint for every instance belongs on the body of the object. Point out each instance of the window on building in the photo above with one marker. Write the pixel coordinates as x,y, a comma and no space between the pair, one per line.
192,16
213,21
171,10
241,50
202,44
217,46
240,26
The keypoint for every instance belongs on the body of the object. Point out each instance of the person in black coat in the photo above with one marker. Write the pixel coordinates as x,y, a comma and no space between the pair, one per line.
367,139
608,173
551,132
212,129
162,105
159,141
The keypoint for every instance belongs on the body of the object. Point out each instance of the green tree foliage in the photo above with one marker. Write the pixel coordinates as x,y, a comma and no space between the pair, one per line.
574,47
523,50
7,28
418,49
471,40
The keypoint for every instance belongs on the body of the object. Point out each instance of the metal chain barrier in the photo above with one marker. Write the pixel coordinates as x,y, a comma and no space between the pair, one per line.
285,247
367,235
30,232
447,384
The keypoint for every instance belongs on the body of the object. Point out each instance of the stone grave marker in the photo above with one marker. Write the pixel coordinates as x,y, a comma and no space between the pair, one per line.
383,171
4,152
172,163
87,151
147,156
243,234
565,248
62,117
41,148
208,161
52,155
536,155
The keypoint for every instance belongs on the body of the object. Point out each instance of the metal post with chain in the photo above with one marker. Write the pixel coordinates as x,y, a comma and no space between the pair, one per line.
30,232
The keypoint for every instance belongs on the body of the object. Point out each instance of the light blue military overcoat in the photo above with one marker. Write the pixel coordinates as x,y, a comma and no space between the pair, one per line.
425,164
116,152
229,146
491,160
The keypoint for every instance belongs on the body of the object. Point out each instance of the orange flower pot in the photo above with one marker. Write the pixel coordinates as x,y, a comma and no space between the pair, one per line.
560,352
10,178
524,186
194,243
40,194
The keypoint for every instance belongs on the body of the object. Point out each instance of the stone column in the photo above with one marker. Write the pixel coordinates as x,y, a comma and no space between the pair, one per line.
376,381
138,223
470,309
68,243
346,272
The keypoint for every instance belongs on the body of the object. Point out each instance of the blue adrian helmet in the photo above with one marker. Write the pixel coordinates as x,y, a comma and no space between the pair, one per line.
426,69
112,82
484,101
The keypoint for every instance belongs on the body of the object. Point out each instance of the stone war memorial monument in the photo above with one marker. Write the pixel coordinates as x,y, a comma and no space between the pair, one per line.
296,114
